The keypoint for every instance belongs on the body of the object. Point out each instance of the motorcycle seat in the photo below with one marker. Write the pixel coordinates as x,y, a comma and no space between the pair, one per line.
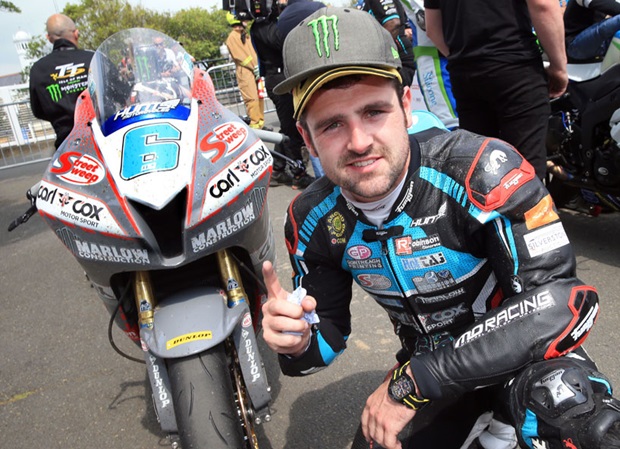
583,72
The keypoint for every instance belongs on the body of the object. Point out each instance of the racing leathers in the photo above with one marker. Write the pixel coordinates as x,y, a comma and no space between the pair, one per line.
431,68
472,265
391,15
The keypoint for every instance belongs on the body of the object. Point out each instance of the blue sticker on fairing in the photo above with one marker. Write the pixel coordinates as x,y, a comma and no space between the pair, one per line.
121,120
150,148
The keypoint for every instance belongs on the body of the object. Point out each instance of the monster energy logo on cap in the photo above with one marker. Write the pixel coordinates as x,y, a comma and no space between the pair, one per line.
54,91
334,38
320,29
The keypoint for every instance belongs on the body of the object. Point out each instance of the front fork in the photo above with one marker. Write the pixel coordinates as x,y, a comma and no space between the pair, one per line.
229,274
244,342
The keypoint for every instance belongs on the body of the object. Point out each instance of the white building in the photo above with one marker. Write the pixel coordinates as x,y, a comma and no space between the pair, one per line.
21,39
17,125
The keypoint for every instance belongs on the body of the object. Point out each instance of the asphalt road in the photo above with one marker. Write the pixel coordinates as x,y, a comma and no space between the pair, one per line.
62,385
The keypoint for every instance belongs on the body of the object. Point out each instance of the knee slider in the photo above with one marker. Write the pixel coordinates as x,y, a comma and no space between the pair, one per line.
564,403
558,391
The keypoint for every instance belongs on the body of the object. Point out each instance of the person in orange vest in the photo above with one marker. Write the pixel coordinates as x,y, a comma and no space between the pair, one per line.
243,54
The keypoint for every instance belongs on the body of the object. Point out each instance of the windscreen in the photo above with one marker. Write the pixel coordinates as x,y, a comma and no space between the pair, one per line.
139,74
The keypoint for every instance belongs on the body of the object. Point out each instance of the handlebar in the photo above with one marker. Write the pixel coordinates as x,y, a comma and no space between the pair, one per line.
31,194
23,218
277,138
271,136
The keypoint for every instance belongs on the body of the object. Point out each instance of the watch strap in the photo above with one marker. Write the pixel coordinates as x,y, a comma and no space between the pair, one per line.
411,400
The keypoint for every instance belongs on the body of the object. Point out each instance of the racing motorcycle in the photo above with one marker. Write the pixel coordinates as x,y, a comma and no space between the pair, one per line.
159,192
583,152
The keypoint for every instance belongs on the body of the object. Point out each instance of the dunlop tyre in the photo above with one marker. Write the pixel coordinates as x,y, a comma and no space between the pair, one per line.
206,413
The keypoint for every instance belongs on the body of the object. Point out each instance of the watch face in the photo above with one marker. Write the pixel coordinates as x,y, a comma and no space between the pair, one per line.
401,387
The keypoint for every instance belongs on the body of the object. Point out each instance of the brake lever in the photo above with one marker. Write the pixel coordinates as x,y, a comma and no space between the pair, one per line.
32,197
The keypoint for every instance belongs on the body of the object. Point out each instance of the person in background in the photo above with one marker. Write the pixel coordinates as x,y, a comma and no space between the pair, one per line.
57,79
391,15
268,44
455,237
590,26
295,12
431,68
498,79
246,62
167,63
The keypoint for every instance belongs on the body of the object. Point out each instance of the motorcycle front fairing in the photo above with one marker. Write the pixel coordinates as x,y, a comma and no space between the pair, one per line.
157,175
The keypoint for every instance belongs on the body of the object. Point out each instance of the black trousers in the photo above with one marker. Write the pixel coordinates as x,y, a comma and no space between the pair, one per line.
509,101
288,126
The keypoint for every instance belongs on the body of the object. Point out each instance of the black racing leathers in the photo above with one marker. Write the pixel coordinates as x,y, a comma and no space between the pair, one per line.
472,265
56,81
386,12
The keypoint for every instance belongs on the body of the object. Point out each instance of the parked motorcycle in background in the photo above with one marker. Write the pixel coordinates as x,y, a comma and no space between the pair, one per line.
583,141
160,194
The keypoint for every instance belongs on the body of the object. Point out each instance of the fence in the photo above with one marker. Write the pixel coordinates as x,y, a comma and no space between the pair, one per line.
226,89
25,139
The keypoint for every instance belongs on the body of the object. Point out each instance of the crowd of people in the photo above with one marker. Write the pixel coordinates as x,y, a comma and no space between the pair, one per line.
450,229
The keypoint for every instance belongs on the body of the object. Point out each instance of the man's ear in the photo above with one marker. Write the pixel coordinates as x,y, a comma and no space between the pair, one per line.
407,106
49,38
307,139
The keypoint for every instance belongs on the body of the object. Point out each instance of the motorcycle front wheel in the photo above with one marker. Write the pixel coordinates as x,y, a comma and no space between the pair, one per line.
204,403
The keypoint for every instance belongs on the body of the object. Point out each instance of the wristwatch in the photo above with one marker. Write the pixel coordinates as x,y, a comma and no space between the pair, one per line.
402,389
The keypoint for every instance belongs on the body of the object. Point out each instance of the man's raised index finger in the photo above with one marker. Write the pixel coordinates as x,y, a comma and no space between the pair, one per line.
274,289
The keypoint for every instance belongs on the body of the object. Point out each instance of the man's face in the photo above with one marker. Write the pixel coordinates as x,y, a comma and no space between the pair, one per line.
359,132
159,44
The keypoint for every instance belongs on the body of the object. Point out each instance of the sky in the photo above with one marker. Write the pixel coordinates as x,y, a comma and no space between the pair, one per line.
35,13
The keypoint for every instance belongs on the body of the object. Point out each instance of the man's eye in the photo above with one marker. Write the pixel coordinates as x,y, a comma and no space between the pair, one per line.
332,126
374,113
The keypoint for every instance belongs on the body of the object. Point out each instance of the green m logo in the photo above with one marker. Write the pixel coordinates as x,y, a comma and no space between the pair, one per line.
321,31
142,68
54,91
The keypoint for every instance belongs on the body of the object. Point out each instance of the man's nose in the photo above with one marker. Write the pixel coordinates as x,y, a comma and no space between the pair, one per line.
360,139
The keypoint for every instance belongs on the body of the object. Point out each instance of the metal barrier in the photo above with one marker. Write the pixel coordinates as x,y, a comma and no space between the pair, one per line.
226,89
24,139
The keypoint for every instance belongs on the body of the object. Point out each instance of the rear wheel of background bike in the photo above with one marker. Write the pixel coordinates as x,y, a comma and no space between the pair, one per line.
204,403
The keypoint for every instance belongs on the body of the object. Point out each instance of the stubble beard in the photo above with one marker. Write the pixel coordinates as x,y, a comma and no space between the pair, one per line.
375,186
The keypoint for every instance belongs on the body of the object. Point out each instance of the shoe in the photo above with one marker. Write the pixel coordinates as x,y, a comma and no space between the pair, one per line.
579,205
280,178
302,181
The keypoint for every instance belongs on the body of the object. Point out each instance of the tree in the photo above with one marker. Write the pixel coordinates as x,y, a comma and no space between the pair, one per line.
8,7
201,32
99,19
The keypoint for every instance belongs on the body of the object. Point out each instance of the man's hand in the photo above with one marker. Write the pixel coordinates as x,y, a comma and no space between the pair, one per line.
383,419
280,316
558,81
